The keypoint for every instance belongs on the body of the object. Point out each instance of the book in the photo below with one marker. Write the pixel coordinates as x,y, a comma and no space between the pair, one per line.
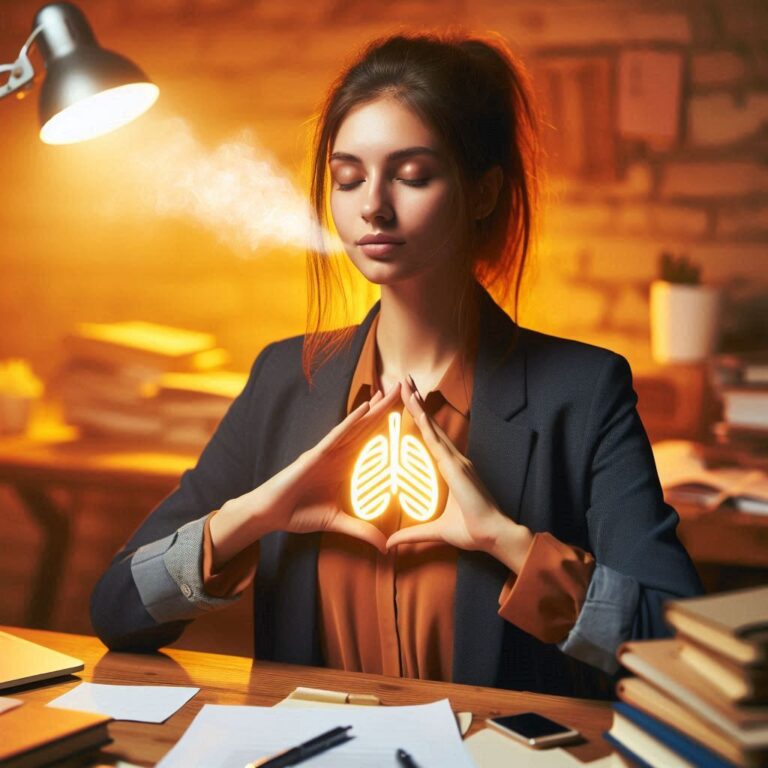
746,406
734,624
144,347
740,683
658,662
23,662
742,748
650,742
749,368
34,735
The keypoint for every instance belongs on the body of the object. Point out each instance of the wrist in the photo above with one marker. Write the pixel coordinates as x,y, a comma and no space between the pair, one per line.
235,526
511,543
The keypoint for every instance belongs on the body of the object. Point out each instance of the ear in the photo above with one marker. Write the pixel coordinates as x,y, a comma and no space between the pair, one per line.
487,192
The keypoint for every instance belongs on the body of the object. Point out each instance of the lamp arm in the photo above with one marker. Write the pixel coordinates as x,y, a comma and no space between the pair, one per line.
21,71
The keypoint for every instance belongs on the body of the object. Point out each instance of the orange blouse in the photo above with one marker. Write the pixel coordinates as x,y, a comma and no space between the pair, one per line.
393,614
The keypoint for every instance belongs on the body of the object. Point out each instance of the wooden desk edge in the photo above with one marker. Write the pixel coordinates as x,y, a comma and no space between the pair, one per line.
239,680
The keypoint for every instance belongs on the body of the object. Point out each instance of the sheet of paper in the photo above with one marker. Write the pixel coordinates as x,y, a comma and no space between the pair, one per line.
463,719
490,749
229,737
7,704
141,703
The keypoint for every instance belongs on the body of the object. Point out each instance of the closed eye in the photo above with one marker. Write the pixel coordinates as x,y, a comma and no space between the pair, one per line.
414,182
347,186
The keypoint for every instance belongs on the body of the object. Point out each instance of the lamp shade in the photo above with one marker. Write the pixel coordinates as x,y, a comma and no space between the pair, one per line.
88,90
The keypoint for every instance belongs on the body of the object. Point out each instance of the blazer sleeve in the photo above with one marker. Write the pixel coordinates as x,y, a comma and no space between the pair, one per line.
631,530
152,588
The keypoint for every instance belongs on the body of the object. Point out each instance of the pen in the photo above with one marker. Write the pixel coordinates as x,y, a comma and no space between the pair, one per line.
405,760
304,751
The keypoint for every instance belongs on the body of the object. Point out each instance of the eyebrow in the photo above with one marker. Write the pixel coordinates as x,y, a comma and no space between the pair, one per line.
400,154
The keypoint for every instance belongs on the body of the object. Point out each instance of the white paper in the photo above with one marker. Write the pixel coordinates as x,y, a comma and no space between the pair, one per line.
141,703
491,749
229,737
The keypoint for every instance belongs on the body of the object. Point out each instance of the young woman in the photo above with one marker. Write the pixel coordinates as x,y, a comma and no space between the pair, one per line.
544,542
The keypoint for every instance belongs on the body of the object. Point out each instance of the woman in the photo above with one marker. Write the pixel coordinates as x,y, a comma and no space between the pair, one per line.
546,541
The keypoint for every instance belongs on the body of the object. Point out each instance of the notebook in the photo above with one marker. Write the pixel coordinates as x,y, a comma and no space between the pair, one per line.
22,662
33,735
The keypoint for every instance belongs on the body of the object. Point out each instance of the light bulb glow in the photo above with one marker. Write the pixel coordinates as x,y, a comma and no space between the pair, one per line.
99,114
392,466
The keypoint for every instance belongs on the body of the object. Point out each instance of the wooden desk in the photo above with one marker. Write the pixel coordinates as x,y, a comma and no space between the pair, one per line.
49,469
237,680
724,537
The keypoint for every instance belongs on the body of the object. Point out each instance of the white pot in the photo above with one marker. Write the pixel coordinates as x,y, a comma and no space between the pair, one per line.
684,321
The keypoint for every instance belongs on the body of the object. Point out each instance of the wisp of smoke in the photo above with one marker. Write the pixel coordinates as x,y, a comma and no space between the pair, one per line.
237,190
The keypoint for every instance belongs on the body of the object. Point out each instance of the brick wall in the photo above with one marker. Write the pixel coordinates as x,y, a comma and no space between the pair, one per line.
78,243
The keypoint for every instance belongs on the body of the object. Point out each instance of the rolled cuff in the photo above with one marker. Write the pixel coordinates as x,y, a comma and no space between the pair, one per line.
168,576
605,621
546,596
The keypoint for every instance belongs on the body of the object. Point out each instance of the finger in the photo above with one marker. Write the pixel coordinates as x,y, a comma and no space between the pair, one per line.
342,429
415,406
343,426
371,420
415,534
359,529
439,448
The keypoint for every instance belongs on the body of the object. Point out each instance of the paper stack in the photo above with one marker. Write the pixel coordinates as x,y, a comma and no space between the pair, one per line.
702,697
146,381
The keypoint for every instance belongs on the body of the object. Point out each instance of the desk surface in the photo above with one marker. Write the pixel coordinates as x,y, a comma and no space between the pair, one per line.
52,452
238,680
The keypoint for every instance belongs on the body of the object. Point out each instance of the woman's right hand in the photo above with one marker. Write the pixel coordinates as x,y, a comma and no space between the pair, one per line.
305,496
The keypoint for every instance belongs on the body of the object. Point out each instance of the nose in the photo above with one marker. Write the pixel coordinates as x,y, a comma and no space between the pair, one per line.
377,205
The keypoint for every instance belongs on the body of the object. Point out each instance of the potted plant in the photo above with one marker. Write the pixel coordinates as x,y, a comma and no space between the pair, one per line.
684,313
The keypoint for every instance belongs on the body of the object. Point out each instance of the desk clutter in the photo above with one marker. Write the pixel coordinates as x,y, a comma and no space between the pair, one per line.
692,474
700,698
741,384
19,389
145,381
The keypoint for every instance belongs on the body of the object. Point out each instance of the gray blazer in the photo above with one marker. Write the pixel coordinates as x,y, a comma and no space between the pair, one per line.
554,434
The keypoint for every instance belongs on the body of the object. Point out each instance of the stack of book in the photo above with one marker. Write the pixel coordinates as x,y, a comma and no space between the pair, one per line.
700,698
145,381
741,383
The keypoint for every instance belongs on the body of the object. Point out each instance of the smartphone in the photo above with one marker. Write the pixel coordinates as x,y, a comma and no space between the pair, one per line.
534,730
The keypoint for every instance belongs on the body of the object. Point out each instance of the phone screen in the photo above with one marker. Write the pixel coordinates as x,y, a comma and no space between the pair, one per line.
530,725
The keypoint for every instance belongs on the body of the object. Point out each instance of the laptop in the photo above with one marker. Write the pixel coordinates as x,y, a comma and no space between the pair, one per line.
22,662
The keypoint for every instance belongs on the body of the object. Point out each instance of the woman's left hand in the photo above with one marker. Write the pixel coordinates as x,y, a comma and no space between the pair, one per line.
471,520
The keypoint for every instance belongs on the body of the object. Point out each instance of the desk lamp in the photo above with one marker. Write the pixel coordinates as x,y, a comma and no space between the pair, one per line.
88,91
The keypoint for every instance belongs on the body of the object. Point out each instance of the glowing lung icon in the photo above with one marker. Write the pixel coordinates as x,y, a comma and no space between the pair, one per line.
394,467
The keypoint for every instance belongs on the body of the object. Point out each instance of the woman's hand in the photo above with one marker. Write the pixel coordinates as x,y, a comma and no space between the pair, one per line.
471,520
304,497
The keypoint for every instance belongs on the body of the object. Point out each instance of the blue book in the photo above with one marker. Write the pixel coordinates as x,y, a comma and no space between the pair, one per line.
653,744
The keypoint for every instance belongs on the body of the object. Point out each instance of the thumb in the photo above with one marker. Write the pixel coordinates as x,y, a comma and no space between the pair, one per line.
416,533
358,529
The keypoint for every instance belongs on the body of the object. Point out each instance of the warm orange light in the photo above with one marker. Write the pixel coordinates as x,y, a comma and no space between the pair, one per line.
99,114
389,467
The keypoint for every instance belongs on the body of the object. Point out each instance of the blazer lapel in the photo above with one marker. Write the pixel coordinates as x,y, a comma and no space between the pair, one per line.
291,561
500,450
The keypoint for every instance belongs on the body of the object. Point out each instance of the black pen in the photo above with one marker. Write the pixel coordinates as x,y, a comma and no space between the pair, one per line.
304,751
405,760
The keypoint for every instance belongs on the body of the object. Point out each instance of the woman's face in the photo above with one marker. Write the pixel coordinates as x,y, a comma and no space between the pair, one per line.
392,194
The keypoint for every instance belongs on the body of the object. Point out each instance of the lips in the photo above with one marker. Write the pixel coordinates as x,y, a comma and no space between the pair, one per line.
380,239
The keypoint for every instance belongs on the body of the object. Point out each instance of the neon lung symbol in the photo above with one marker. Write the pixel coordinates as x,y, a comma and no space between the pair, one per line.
394,467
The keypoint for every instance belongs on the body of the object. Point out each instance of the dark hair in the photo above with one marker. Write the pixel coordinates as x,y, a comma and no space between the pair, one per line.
475,95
